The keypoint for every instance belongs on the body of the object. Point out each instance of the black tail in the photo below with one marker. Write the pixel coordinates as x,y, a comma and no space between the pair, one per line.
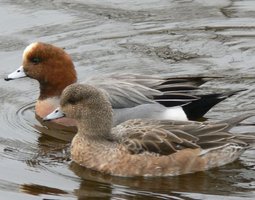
177,91
197,109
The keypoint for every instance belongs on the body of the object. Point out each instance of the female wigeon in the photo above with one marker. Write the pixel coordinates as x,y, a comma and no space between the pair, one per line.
145,147
132,96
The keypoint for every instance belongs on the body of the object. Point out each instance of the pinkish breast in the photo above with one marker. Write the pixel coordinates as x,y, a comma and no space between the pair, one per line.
46,106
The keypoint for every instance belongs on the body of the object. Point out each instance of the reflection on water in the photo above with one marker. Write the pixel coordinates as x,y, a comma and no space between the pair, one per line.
216,182
174,38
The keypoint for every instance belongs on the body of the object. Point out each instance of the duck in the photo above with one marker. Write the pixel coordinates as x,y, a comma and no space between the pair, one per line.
145,147
131,95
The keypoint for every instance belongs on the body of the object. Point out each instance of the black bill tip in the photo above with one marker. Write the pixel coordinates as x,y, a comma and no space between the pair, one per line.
45,119
8,79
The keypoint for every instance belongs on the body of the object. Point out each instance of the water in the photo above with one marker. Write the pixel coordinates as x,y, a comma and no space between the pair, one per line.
174,38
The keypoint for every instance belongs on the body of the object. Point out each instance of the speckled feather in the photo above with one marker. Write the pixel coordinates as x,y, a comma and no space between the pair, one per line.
145,147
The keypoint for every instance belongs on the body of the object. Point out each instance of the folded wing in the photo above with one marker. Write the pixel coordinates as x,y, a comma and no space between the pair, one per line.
166,136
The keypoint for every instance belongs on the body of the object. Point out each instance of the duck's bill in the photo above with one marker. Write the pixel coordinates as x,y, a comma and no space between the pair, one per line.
56,114
19,73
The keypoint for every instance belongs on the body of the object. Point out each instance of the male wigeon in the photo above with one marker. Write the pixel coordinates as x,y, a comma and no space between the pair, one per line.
132,96
145,147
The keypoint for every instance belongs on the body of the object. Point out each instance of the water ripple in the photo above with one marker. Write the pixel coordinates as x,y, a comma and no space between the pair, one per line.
176,38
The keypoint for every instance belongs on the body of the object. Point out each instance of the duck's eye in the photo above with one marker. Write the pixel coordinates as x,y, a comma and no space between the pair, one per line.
35,60
71,101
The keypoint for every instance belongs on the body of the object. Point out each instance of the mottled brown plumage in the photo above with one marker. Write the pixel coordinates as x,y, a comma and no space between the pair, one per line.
145,147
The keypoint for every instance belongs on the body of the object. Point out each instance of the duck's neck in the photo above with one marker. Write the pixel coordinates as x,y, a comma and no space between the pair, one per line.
94,134
97,127
56,80
53,89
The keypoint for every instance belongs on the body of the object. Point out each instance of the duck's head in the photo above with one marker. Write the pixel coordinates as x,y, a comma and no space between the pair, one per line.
48,64
86,104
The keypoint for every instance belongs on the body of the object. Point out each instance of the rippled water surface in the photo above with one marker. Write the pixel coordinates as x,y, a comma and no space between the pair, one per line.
175,38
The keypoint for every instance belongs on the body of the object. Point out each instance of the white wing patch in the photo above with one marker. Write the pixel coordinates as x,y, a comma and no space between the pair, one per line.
174,113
